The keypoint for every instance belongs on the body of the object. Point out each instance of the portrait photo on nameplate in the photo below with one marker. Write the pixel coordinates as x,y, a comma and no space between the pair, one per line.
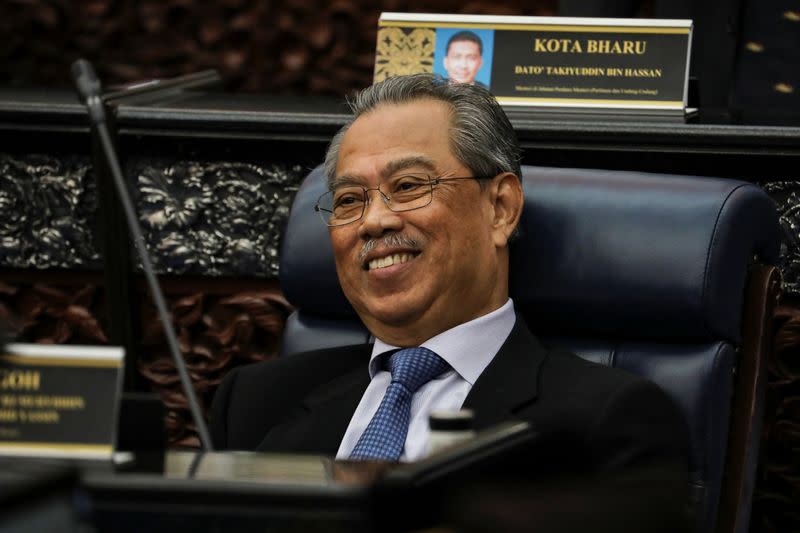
59,400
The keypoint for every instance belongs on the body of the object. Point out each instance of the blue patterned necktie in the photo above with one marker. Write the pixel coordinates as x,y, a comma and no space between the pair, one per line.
385,436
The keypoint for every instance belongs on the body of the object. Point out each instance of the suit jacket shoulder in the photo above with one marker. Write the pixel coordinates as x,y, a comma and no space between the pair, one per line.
607,417
617,419
254,398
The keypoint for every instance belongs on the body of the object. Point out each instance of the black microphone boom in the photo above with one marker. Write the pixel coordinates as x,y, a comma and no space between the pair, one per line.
86,81
88,86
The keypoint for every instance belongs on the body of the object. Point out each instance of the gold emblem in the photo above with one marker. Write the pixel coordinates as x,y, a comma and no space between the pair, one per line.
403,51
794,16
784,88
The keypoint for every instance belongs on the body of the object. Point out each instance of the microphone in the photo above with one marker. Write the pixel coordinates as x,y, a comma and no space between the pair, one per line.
85,79
88,86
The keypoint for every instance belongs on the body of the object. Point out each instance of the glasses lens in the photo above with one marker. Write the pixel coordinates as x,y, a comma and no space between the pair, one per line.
410,191
343,205
401,193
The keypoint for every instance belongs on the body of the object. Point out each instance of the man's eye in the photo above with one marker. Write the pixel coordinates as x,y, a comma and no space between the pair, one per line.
407,185
346,200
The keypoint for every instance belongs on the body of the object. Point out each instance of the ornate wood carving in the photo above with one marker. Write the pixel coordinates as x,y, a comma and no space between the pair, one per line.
778,486
53,314
48,207
214,218
216,332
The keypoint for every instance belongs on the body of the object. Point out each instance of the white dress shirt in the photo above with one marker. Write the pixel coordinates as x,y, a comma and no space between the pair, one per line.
468,348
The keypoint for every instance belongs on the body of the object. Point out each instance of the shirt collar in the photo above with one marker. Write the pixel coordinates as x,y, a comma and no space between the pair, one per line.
468,347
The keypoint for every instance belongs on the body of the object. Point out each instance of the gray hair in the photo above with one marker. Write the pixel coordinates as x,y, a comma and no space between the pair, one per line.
481,136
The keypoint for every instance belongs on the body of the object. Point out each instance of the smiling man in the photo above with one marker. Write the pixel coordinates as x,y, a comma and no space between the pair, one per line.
463,57
424,197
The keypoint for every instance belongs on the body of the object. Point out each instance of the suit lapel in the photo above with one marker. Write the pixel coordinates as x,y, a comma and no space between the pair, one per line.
319,424
511,380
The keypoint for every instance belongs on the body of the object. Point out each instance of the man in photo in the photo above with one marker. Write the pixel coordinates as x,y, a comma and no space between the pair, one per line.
464,57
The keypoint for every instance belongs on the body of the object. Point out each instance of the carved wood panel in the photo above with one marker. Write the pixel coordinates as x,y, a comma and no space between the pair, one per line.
218,329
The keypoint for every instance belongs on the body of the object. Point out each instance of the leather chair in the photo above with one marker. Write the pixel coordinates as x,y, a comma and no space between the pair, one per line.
665,276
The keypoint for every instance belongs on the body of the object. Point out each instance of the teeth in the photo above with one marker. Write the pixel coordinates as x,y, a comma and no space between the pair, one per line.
389,260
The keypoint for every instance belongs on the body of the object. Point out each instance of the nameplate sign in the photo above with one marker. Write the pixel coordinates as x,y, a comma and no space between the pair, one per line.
573,63
59,401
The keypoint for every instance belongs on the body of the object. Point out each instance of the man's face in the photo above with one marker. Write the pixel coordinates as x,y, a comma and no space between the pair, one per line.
463,60
443,269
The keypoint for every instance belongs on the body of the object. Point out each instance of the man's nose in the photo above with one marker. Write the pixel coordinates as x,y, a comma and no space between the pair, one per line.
377,217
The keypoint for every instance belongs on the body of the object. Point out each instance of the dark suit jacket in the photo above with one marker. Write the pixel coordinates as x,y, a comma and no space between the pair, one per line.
303,403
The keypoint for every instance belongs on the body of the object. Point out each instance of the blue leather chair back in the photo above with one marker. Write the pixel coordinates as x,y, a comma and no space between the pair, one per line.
324,318
644,272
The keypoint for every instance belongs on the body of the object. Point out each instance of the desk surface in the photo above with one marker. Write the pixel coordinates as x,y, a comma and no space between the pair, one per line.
314,493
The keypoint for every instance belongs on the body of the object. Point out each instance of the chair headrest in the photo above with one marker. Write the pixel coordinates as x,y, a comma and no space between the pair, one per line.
307,270
638,255
599,253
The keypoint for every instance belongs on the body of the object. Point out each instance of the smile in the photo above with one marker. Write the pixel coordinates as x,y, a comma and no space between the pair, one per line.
390,260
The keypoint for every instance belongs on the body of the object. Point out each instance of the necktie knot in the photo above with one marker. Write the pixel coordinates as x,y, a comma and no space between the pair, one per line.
413,367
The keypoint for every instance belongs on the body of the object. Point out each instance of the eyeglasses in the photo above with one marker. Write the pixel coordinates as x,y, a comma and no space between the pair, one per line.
405,192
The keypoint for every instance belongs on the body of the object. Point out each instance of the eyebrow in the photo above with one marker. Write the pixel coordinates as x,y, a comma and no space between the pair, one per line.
391,168
344,180
404,163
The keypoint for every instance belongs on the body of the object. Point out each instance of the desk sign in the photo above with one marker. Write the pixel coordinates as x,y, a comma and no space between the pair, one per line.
59,401
556,62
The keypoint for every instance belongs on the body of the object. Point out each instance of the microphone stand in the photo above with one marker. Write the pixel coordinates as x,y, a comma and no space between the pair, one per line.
88,86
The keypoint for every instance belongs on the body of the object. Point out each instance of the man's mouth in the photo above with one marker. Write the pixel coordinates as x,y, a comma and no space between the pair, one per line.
390,260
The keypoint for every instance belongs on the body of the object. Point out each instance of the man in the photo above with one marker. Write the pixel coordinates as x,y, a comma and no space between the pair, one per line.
424,197
464,57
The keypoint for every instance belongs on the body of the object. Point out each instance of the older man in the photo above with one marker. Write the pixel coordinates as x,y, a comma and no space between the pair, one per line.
424,196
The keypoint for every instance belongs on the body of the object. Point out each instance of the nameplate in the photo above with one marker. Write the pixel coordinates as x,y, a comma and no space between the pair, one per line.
59,401
575,63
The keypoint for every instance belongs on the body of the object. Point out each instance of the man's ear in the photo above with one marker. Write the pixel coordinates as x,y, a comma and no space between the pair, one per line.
507,201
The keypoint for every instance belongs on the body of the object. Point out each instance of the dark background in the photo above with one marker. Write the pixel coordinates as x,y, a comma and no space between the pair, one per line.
298,47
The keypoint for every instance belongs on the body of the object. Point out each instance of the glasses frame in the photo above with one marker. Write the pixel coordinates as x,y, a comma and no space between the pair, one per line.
387,200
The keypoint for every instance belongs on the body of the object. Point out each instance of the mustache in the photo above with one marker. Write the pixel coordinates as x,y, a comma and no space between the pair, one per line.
388,240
